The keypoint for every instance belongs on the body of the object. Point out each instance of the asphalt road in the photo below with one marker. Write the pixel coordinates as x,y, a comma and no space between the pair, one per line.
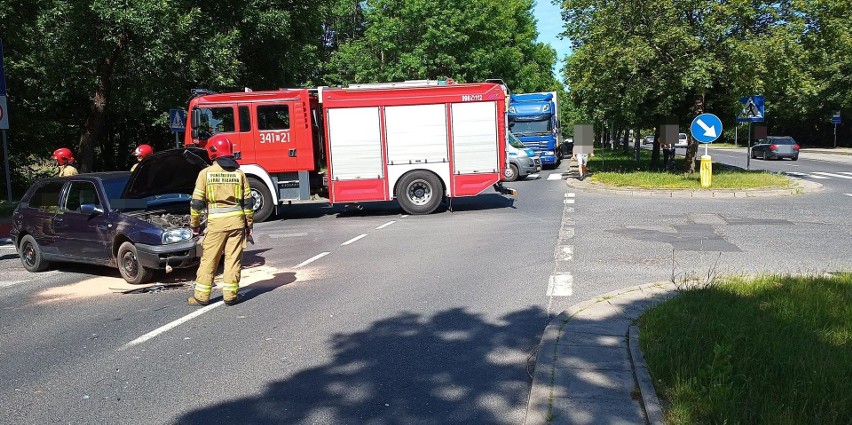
369,316
356,316
832,171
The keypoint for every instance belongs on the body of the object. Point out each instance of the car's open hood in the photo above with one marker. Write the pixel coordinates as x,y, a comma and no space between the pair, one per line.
170,171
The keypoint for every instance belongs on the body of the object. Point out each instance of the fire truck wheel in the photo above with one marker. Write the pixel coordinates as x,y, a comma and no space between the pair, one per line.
263,206
419,192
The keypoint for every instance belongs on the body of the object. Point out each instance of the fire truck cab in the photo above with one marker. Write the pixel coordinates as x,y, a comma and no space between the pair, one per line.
416,144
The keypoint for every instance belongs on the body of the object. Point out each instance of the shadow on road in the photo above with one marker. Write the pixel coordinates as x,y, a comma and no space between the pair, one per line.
387,374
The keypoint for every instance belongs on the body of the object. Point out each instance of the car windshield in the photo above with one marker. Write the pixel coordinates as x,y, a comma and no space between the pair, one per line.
114,187
513,141
782,140
682,136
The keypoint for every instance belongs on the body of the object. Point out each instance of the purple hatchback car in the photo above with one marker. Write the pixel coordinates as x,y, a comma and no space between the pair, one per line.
137,222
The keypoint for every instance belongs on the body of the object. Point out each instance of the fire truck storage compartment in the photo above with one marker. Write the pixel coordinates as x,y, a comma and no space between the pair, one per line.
416,138
355,150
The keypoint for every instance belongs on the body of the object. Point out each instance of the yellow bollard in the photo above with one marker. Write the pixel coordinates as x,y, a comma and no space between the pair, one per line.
706,171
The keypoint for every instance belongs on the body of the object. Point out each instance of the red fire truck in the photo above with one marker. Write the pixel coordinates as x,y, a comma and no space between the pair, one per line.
416,144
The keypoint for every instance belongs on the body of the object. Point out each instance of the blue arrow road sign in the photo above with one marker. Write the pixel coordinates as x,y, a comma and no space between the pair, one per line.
177,120
706,128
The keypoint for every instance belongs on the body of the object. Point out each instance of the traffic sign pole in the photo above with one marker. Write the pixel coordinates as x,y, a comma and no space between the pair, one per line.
6,164
748,151
835,135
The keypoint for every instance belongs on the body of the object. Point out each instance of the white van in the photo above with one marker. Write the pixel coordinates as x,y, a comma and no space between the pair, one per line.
520,161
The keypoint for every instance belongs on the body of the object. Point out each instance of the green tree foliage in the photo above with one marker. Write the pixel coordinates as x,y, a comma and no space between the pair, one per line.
431,39
99,76
637,63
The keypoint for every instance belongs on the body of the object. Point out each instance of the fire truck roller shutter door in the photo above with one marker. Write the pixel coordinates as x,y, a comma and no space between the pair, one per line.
419,192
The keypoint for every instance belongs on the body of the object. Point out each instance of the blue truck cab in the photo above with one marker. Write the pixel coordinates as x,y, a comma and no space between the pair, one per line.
534,119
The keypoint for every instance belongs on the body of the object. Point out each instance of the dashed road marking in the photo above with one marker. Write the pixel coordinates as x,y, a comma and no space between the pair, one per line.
570,195
848,194
287,235
533,176
569,201
845,172
171,325
555,176
560,285
386,225
355,239
311,260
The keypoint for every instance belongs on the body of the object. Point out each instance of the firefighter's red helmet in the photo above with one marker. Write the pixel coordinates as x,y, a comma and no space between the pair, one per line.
143,151
62,156
219,148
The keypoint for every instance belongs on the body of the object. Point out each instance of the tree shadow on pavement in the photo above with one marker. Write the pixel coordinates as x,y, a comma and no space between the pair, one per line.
454,367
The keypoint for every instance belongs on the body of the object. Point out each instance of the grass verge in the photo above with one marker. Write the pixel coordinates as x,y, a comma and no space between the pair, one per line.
773,349
616,168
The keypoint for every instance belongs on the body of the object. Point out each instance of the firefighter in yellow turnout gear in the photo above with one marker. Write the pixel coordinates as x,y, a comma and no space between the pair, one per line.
223,190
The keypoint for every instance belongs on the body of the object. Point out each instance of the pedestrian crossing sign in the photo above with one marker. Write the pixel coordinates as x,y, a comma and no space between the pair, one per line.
177,120
753,109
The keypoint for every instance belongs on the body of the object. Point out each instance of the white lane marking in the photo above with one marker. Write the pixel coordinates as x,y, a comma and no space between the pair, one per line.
386,225
286,235
555,176
569,201
403,216
356,238
832,175
560,285
311,260
816,177
10,283
845,172
171,325
533,176
569,195
848,194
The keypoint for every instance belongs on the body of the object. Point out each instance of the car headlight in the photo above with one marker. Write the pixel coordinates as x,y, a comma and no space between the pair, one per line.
176,235
548,152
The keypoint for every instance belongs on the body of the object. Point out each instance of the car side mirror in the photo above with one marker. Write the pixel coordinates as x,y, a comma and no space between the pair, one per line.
91,209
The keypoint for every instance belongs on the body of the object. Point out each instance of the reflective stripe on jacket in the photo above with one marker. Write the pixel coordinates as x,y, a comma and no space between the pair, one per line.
224,193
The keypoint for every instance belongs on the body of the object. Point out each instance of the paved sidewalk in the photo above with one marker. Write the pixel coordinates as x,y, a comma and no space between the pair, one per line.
589,369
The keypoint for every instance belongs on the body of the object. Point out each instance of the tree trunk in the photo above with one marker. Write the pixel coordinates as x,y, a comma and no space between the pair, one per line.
655,150
97,115
637,143
692,148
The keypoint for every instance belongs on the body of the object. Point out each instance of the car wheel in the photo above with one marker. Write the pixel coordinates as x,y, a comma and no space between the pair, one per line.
263,205
31,256
419,192
129,267
795,158
753,154
511,173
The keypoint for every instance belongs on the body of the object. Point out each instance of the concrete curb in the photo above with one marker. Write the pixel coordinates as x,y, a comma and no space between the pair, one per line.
548,383
650,401
802,186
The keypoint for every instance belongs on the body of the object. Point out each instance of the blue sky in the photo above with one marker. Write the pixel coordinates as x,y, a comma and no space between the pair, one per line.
549,22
